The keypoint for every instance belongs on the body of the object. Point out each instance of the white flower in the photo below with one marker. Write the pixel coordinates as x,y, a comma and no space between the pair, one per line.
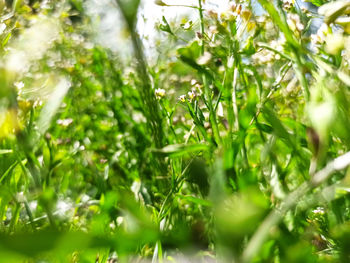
322,32
199,88
65,208
182,98
316,39
64,122
263,57
288,4
220,110
318,210
19,86
203,60
187,25
191,95
294,23
160,93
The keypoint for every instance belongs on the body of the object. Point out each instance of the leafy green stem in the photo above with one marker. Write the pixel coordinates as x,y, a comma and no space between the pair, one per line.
276,215
207,91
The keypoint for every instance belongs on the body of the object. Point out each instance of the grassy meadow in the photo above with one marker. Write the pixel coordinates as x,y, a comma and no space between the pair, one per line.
225,140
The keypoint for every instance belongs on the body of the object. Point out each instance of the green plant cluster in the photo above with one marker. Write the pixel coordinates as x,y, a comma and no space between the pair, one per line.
231,146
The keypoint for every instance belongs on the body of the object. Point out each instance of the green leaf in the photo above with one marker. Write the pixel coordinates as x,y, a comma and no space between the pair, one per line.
278,127
165,26
316,2
6,39
34,244
8,171
4,151
129,10
193,51
195,200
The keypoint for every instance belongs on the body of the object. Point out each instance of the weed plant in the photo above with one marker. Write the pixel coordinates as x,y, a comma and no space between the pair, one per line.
231,146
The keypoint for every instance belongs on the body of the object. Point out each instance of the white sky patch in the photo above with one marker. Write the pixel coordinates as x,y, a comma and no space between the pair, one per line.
153,13
110,31
109,26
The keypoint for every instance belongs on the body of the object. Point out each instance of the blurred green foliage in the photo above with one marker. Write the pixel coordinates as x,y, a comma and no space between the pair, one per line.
220,150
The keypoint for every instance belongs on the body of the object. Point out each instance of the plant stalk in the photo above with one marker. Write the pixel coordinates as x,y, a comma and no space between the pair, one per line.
291,201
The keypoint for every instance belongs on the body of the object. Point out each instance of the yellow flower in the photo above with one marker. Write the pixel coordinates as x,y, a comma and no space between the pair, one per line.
182,98
8,123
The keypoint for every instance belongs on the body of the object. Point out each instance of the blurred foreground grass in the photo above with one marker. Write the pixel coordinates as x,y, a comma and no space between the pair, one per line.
230,146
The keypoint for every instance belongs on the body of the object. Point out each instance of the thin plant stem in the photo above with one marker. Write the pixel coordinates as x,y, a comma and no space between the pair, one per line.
283,73
234,98
151,110
189,6
207,91
29,213
231,116
263,45
301,76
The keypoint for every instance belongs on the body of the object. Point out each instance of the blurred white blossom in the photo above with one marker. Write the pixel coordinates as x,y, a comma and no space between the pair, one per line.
182,98
294,22
32,43
160,93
